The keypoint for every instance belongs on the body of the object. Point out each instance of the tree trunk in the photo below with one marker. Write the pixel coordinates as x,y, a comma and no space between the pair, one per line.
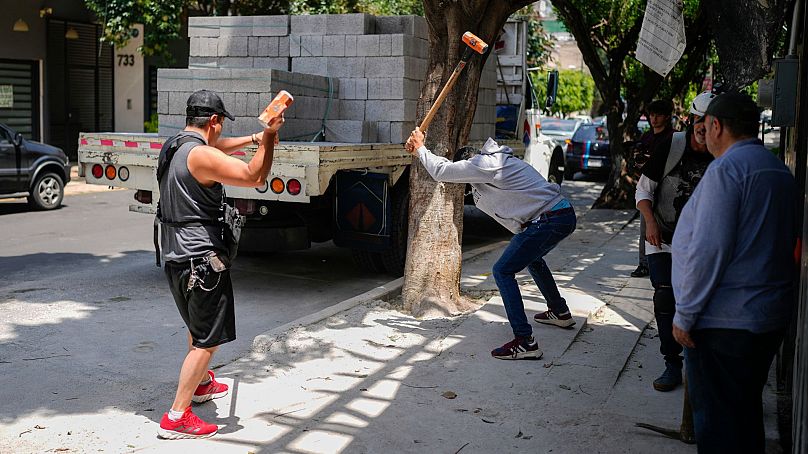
432,271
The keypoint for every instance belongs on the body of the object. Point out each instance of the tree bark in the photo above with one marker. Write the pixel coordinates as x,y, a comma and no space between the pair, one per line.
432,271
746,35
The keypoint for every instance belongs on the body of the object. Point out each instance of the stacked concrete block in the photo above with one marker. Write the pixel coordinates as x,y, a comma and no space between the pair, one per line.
376,66
246,92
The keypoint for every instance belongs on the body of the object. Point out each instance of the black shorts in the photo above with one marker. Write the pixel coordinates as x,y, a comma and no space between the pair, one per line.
207,309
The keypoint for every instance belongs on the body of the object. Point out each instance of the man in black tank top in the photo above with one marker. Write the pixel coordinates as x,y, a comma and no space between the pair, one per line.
191,176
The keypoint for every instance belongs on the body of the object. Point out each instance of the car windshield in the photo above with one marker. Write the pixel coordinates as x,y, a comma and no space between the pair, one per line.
591,132
557,124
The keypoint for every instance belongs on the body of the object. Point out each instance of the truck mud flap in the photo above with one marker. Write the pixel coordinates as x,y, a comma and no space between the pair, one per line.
362,208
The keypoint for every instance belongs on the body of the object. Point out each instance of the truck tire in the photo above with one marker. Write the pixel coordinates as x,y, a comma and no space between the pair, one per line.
556,173
47,192
395,257
569,172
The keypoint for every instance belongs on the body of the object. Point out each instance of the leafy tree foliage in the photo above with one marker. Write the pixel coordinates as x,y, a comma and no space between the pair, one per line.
576,91
161,19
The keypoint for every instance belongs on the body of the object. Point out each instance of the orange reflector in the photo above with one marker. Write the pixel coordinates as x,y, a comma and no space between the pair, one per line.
293,187
110,172
276,185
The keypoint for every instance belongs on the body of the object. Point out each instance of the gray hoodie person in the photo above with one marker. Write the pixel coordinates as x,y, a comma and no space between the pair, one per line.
504,187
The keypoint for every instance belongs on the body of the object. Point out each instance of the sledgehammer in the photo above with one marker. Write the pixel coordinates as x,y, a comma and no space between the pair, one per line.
474,44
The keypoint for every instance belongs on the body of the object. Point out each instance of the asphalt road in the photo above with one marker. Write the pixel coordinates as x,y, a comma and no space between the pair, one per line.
87,321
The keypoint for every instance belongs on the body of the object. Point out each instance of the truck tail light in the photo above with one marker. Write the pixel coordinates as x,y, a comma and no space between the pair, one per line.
143,196
293,187
245,206
276,185
110,172
123,173
98,171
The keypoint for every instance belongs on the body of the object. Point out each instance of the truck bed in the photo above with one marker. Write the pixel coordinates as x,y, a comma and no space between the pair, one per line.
312,163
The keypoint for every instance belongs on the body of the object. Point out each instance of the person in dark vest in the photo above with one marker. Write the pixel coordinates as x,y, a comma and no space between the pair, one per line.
659,117
668,180
194,165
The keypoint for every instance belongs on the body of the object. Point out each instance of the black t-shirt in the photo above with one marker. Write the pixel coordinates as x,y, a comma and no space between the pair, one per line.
675,188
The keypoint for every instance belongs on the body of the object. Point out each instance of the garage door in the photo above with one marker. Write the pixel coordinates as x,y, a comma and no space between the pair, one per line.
19,96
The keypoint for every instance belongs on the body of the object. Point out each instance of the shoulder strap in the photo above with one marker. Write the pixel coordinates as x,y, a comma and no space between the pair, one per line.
170,147
678,145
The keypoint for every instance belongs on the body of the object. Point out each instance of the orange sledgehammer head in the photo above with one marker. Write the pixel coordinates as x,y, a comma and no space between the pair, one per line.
475,43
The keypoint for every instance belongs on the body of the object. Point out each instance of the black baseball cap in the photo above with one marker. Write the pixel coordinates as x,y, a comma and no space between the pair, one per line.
203,103
733,105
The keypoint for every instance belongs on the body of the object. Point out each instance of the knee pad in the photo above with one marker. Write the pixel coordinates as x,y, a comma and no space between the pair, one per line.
664,301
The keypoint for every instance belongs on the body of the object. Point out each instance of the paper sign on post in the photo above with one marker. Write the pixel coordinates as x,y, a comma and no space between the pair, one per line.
662,37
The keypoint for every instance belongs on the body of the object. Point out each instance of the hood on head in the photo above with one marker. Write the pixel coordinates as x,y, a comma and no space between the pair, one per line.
491,147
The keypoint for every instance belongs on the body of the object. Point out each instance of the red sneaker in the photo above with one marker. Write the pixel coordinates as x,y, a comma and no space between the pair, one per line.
189,426
212,390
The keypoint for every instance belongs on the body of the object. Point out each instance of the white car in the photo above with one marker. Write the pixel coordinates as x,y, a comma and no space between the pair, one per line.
559,129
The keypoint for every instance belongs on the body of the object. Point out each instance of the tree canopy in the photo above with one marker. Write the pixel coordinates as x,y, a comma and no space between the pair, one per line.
576,91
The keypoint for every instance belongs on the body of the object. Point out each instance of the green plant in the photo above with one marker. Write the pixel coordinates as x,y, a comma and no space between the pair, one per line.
151,125
576,91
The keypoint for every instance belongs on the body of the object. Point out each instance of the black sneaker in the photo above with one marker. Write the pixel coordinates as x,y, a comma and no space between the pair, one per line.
548,317
519,348
670,379
641,271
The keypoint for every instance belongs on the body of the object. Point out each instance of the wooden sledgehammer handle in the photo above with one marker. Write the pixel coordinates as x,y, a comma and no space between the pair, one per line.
474,44
443,93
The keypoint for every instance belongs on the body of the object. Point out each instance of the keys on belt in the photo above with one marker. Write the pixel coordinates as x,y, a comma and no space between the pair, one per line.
548,215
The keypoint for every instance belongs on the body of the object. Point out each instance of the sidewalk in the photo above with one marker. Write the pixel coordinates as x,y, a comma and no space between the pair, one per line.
364,377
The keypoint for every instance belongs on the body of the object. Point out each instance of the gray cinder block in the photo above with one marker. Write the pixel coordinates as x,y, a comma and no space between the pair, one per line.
308,24
283,46
235,62
311,46
409,46
168,125
203,62
407,67
351,45
383,131
203,26
334,46
385,45
233,46
239,106
347,88
281,63
361,89
390,110
270,25
309,65
367,45
348,131
235,25
349,24
345,67
352,109
162,102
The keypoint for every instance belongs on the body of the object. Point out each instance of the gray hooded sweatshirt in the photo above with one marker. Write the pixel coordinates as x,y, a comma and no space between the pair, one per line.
504,187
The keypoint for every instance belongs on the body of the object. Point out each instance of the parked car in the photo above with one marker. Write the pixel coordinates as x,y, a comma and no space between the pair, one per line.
559,129
588,151
32,169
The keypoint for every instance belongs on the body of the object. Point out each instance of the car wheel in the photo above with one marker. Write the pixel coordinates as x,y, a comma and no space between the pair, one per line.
556,172
47,192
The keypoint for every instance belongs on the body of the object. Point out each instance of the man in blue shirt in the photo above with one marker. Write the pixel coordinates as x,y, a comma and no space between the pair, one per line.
732,277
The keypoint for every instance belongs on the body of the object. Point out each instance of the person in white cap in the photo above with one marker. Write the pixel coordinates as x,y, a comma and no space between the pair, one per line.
668,180
518,197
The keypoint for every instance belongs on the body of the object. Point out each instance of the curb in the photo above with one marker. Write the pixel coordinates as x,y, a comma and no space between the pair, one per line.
263,342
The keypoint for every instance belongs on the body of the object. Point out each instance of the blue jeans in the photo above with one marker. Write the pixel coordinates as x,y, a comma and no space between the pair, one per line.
726,373
527,249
